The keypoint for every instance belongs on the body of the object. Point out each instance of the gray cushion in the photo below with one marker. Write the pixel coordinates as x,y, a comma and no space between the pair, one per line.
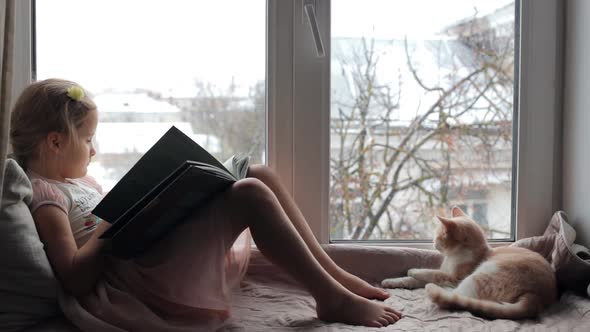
569,260
28,288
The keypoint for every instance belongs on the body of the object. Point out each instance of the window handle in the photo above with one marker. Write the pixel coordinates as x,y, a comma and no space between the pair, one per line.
313,24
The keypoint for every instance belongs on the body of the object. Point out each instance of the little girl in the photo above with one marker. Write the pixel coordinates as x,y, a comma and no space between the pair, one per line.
185,279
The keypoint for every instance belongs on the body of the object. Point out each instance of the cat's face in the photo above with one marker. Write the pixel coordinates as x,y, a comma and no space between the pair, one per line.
458,232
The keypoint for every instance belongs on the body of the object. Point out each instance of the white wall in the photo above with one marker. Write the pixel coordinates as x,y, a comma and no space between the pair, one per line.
576,133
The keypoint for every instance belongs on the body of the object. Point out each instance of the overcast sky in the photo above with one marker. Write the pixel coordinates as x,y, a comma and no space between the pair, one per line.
167,45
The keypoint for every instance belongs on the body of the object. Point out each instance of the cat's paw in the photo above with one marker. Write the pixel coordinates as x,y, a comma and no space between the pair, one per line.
413,272
432,289
403,282
393,283
439,295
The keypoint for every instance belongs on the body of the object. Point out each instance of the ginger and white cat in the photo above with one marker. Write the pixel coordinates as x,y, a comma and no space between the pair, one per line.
505,282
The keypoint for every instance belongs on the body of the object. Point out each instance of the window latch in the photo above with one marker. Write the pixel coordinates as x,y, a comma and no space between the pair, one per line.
309,8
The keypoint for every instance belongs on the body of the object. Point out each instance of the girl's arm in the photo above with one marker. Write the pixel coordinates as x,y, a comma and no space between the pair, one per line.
78,269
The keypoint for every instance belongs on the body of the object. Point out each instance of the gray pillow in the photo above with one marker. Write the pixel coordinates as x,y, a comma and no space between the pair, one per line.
569,260
28,288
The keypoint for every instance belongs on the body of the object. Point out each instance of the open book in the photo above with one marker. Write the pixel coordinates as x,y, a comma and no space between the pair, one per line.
172,179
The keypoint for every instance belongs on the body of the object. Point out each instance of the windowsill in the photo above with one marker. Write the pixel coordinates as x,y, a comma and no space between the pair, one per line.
372,262
409,244
412,245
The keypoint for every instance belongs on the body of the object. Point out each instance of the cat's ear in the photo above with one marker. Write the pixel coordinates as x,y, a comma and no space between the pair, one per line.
446,222
457,212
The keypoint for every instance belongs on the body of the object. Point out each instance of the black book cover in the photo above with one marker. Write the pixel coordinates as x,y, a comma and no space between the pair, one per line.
174,177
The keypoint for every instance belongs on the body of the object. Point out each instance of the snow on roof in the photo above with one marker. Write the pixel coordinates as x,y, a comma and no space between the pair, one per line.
132,102
138,137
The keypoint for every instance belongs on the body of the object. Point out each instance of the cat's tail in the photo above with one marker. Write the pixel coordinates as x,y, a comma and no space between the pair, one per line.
528,305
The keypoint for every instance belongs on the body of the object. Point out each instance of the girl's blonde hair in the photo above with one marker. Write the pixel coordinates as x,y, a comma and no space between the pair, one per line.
45,107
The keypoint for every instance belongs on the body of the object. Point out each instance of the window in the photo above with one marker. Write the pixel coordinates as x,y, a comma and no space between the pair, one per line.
180,64
298,93
480,214
534,192
420,116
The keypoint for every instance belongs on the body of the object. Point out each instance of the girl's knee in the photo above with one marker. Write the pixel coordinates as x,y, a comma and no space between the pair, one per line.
250,188
260,171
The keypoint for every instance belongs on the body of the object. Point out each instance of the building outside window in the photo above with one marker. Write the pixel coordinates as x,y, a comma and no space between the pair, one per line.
172,65
421,116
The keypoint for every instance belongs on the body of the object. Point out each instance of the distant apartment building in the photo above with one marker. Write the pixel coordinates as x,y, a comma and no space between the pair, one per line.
478,172
130,123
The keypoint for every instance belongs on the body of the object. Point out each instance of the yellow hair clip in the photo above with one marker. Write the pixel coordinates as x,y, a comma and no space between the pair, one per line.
75,92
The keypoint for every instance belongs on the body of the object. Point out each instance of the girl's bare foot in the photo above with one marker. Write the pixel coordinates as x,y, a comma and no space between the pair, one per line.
360,287
352,309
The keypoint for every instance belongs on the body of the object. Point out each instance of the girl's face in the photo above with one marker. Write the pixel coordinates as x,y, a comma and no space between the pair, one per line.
78,151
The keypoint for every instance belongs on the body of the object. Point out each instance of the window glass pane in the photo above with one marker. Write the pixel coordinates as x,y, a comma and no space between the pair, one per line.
422,104
198,65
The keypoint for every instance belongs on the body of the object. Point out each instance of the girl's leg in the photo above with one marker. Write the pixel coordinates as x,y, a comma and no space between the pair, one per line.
252,204
353,283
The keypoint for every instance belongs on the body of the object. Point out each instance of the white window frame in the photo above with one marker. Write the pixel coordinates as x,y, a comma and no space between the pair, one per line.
22,48
298,107
303,146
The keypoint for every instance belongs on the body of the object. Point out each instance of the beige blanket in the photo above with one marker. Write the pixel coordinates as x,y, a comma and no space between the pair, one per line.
269,300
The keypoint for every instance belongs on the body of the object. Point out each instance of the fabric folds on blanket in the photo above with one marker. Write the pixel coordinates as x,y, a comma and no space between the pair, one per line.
570,261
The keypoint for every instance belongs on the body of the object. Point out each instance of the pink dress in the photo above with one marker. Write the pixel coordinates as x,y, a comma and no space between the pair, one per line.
182,284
